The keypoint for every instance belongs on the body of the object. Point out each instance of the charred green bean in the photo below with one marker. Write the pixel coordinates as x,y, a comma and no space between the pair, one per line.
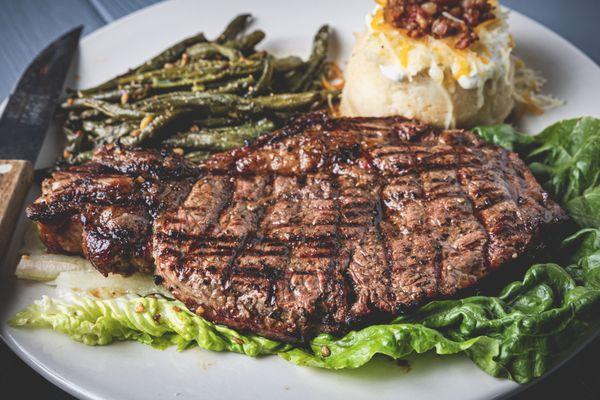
218,94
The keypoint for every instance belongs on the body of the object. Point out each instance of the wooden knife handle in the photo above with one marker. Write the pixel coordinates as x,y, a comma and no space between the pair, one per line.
15,178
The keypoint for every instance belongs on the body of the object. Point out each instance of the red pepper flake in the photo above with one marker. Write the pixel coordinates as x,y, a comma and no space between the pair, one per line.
238,340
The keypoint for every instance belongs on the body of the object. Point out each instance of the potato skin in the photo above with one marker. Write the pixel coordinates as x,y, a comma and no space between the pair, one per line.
368,93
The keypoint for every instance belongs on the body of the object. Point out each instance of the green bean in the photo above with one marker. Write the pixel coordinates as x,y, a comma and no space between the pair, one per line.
75,142
82,157
226,103
219,139
75,116
176,72
169,55
197,156
265,79
78,158
290,101
204,50
198,82
108,133
234,28
91,114
234,87
316,60
111,95
247,43
195,72
134,92
110,109
152,129
287,63
183,98
211,122
71,135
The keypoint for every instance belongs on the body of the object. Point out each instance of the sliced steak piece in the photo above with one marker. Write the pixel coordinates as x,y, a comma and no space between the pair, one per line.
332,223
104,209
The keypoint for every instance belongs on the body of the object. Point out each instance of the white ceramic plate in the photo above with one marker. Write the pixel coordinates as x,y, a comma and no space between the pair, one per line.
134,371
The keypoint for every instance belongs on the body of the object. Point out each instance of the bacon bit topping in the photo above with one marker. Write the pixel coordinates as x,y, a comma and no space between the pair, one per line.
440,18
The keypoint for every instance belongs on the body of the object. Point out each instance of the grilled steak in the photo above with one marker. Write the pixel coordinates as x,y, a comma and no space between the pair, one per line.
321,227
104,209
331,223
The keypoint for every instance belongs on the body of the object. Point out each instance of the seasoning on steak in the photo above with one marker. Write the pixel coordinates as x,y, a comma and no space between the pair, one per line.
105,208
331,223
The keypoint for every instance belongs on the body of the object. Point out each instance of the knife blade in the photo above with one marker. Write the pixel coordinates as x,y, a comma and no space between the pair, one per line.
24,123
30,107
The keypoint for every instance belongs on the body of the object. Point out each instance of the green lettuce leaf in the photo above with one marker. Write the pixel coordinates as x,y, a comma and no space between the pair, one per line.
518,334
503,135
150,320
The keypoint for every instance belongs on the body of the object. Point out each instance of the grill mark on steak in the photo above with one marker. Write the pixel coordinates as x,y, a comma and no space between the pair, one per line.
473,241
368,266
251,234
392,139
321,227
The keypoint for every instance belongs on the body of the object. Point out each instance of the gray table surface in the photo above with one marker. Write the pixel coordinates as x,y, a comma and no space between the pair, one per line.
26,26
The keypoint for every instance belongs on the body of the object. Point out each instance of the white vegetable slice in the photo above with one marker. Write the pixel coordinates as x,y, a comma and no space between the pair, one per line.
38,265
107,287
74,274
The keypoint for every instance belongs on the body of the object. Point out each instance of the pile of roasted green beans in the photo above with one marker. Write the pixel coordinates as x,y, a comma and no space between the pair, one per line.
198,97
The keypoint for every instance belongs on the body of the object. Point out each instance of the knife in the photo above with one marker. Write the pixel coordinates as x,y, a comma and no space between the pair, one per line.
24,123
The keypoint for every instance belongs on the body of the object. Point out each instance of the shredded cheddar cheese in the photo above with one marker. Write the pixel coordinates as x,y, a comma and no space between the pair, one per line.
527,91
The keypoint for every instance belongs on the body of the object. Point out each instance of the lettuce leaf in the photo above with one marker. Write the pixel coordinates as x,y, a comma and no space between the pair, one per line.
150,320
517,335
